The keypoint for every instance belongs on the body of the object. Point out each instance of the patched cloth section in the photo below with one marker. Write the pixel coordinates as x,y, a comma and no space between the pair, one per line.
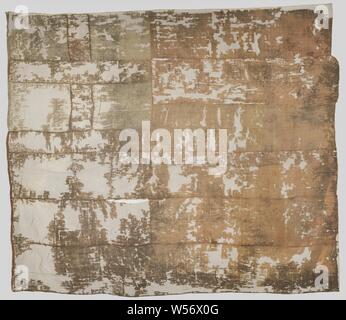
84,222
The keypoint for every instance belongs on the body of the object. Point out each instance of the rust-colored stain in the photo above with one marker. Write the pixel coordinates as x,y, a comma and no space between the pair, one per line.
83,222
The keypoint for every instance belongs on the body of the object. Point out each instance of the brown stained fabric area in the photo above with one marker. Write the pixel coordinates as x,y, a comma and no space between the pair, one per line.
83,223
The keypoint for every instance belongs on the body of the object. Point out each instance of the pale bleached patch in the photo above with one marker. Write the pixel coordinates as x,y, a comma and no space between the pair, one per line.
300,258
177,179
285,189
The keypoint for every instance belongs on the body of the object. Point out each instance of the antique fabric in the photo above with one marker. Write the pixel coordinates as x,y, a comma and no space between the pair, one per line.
84,222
